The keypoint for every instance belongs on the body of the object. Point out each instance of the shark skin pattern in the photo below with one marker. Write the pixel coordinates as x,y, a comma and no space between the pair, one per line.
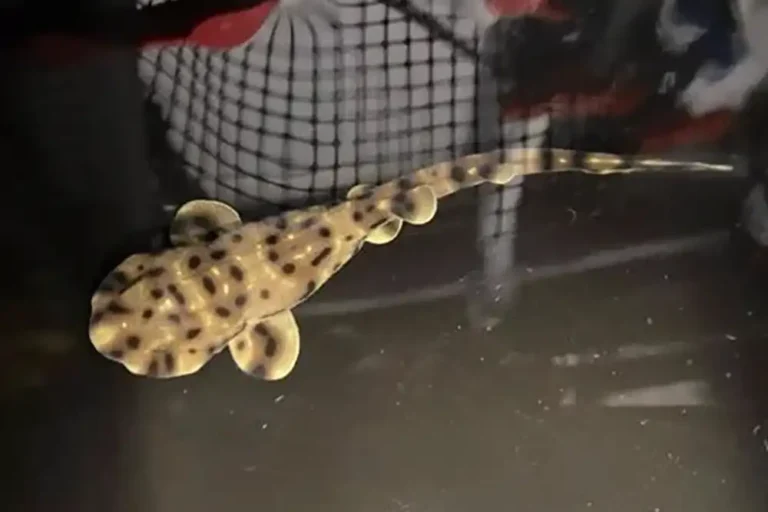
230,284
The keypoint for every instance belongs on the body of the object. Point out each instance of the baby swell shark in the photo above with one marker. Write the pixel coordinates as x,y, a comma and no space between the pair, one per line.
226,283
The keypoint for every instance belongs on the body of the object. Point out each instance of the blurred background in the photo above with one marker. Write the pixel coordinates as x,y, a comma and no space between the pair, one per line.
565,342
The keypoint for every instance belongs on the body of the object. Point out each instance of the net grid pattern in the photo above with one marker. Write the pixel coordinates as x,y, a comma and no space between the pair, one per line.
309,107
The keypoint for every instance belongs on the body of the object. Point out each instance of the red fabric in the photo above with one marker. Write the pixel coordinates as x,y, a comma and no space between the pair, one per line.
225,30
670,130
219,32
568,105
611,102
542,8
686,130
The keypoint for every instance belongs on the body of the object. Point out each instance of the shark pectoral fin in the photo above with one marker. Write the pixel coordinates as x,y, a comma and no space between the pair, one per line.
500,173
200,220
415,206
386,232
359,190
269,348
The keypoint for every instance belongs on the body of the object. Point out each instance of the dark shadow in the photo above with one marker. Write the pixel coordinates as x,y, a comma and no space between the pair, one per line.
79,195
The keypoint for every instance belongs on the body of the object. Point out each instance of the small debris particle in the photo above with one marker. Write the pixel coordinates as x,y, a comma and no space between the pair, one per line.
279,399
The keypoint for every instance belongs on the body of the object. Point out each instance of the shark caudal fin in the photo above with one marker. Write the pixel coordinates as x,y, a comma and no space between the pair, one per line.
526,161
502,166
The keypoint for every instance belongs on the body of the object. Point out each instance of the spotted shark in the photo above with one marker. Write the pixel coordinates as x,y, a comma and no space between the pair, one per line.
226,283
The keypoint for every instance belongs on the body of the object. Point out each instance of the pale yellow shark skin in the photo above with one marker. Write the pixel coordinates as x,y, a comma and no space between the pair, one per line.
229,284
166,315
